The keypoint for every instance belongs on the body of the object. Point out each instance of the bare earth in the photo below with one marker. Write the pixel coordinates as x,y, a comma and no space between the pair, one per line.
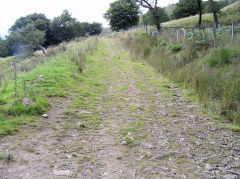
148,130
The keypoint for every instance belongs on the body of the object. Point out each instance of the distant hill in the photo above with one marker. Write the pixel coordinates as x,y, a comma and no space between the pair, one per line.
169,9
229,13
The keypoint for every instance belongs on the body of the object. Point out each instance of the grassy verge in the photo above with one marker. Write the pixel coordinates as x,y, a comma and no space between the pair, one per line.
212,73
61,73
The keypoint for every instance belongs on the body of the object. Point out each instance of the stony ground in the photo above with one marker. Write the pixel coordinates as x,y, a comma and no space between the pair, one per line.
146,128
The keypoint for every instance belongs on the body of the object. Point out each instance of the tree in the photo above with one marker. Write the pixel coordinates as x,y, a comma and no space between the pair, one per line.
148,18
151,5
4,50
65,28
214,8
122,14
92,28
200,13
23,42
185,8
39,21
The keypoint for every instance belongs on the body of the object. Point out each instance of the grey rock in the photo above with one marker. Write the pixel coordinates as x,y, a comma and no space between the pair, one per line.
208,167
62,172
45,116
198,143
124,143
84,112
27,101
129,121
230,176
79,124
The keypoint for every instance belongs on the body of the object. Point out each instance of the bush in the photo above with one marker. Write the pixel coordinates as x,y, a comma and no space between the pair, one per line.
175,48
2,101
40,107
162,43
221,56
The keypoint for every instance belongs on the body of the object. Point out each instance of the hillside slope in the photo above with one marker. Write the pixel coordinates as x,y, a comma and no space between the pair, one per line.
229,14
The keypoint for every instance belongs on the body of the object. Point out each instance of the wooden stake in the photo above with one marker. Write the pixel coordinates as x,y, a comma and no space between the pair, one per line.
215,36
233,33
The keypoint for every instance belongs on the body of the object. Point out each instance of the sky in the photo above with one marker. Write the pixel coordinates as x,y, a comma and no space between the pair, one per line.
83,10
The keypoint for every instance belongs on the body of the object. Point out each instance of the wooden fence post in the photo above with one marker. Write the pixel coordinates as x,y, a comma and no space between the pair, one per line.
177,34
214,34
193,34
203,33
233,33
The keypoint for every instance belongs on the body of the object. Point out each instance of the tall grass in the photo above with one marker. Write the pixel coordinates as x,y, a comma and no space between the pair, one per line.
213,73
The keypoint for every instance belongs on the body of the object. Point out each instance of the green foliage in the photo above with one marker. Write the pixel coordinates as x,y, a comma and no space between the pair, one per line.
2,101
185,8
162,43
92,29
140,36
221,56
4,50
214,76
24,41
65,28
174,48
60,72
39,21
227,15
40,107
148,18
122,14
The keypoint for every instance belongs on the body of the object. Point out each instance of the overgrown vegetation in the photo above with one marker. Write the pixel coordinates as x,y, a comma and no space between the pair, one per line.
193,63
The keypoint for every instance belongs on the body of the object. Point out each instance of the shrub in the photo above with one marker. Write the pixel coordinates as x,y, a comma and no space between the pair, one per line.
2,101
175,48
162,43
40,107
221,56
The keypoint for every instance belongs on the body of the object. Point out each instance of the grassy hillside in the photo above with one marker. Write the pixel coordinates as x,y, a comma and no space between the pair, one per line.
169,9
228,14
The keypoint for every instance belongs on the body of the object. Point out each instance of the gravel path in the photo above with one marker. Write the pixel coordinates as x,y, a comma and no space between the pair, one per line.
148,129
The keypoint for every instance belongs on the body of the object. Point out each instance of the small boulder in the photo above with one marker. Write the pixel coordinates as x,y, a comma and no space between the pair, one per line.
27,101
124,143
62,172
45,116
79,124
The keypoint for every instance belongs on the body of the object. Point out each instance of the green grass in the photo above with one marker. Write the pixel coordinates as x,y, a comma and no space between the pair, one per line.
61,78
211,76
229,14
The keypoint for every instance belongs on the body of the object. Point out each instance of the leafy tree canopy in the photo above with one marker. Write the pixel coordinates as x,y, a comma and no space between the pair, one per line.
185,8
40,21
24,41
65,28
148,18
122,14
4,50
92,28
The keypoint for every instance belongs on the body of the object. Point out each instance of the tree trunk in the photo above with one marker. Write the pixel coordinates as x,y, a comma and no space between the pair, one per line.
200,13
156,19
214,11
215,19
